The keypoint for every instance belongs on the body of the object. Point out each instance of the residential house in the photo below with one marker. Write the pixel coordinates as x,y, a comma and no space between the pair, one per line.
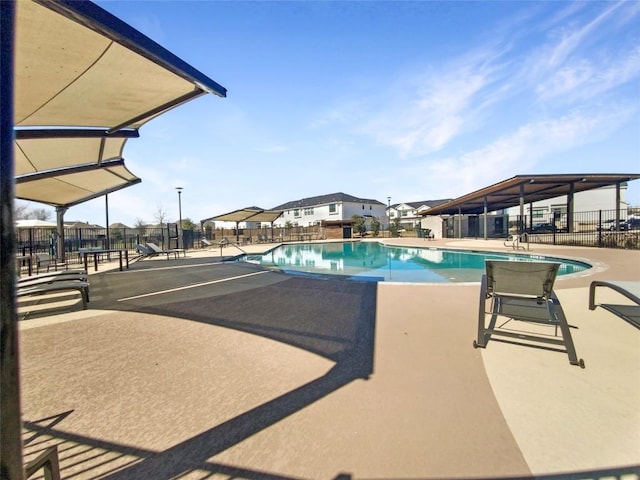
329,208
409,212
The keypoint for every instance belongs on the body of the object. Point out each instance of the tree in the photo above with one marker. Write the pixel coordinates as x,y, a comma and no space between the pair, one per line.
375,226
139,223
187,224
359,225
23,212
40,214
160,215
394,228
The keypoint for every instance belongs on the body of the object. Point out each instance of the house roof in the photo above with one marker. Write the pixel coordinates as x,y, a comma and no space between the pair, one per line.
84,83
532,188
338,197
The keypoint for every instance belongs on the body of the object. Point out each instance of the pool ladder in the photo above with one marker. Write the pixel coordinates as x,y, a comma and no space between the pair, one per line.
514,241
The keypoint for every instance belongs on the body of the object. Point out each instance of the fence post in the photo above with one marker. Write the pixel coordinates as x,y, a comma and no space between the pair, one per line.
600,227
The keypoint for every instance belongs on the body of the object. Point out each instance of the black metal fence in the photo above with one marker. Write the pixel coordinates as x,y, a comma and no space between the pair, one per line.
598,228
30,241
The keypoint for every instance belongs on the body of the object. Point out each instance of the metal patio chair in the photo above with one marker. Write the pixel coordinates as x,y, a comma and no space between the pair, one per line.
523,292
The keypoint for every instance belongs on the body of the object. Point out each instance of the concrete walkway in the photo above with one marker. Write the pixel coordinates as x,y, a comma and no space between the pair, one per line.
260,375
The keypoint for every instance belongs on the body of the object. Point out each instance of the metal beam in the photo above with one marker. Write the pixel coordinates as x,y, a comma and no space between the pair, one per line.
64,132
59,172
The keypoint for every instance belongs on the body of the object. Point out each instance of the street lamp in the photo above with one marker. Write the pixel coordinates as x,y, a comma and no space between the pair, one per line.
179,189
389,216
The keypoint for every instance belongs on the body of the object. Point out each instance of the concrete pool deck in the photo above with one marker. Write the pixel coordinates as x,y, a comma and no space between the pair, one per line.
256,375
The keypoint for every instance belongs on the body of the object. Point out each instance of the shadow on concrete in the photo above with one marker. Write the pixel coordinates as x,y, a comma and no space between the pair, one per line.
331,318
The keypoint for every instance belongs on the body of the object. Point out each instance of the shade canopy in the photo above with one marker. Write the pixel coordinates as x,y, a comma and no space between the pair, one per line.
78,65
84,83
251,214
529,188
68,188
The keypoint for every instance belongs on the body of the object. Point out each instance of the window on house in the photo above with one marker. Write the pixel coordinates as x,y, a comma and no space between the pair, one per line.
404,213
308,211
363,207
296,213
539,213
333,208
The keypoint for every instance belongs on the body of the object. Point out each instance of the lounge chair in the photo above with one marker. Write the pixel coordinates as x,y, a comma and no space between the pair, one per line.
629,289
44,260
168,252
224,242
51,277
523,291
55,284
144,251
59,274
206,243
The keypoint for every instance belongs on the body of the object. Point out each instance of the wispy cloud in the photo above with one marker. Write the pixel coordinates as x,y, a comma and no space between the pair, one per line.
584,79
420,113
521,150
523,80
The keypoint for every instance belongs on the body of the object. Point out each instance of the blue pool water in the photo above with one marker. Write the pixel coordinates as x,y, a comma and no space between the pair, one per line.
377,262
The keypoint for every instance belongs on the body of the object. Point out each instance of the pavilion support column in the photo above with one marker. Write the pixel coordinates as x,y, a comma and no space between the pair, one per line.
570,207
459,222
106,214
521,220
10,418
60,253
486,208
618,200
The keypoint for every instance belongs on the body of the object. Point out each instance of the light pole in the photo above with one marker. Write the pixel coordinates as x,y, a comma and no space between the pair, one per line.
389,216
179,189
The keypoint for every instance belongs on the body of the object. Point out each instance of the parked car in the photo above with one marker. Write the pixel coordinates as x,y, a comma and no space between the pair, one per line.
543,228
610,225
633,223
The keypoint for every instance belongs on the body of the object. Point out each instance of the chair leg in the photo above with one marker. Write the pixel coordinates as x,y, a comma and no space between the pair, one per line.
566,333
483,337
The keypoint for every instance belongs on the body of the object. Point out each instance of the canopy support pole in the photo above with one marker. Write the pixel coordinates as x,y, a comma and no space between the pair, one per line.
570,204
60,253
106,210
486,208
10,418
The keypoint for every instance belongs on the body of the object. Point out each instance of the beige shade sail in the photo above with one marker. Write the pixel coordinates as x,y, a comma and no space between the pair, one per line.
40,154
77,65
251,214
84,83
68,189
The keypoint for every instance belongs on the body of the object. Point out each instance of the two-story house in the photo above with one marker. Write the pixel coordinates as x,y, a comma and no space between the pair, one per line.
329,208
408,212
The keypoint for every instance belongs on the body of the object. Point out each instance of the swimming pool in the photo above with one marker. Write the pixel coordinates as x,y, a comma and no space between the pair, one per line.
373,261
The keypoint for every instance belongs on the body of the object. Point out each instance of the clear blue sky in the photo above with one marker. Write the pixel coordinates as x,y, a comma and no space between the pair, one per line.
412,100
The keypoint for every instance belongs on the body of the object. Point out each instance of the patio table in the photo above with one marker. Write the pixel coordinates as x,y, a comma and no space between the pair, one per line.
96,252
